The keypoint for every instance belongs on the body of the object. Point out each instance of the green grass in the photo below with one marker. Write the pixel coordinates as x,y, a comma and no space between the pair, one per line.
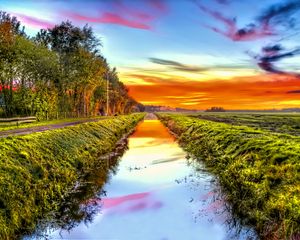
258,171
274,122
37,170
11,126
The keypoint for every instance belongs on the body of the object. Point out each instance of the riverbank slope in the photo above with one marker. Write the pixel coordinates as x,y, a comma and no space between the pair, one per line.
258,171
37,170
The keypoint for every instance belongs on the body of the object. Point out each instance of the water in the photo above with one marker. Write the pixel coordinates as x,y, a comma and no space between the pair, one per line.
156,194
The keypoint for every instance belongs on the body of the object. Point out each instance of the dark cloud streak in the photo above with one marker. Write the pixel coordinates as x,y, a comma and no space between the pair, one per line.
279,12
177,65
272,54
165,62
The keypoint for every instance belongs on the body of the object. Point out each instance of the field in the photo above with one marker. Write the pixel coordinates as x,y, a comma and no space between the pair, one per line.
256,162
288,123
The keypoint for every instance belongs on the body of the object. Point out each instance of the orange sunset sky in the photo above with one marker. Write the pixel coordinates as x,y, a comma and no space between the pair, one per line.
260,91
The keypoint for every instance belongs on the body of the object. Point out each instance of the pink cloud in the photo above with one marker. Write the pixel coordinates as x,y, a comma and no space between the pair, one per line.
249,33
125,14
109,18
34,22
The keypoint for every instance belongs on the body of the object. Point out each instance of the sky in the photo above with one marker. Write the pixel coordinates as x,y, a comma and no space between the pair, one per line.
191,54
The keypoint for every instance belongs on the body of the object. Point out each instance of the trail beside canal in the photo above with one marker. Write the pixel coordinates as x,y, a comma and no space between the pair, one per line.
29,130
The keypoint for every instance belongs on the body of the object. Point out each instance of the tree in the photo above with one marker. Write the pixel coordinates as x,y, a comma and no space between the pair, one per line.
59,70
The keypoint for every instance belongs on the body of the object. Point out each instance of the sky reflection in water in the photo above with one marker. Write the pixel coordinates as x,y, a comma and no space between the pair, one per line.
155,195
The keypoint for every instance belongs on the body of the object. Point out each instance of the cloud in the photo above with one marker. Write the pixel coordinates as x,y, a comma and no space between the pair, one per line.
123,9
272,54
248,33
33,21
125,14
293,92
205,69
224,2
165,62
110,18
279,13
177,65
159,5
272,49
264,26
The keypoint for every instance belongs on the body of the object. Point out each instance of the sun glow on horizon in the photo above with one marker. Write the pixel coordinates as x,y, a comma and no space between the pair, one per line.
247,92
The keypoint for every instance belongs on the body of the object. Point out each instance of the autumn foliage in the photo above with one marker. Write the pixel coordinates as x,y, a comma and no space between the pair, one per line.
59,71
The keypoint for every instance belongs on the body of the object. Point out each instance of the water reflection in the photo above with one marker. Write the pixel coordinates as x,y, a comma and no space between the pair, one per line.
77,207
156,194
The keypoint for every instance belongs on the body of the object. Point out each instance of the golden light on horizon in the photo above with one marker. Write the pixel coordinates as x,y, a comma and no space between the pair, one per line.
247,92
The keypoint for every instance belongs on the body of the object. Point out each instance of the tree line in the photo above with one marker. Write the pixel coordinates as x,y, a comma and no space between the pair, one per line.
60,71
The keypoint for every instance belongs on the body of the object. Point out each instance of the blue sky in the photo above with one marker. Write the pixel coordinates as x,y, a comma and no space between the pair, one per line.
182,40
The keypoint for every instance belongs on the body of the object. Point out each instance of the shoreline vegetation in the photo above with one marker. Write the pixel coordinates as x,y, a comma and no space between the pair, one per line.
258,171
38,170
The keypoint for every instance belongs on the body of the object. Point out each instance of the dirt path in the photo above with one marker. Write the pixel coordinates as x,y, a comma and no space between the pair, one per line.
24,131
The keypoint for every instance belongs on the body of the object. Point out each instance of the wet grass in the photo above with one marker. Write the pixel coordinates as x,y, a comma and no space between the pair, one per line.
274,122
259,171
38,170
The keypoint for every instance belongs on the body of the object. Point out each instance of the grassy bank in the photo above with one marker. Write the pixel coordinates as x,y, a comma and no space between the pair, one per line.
37,170
259,171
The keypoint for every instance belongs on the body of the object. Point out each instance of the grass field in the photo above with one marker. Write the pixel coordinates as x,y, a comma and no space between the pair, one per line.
258,170
288,123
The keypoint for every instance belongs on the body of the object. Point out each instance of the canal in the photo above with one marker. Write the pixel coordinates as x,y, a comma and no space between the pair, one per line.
155,193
